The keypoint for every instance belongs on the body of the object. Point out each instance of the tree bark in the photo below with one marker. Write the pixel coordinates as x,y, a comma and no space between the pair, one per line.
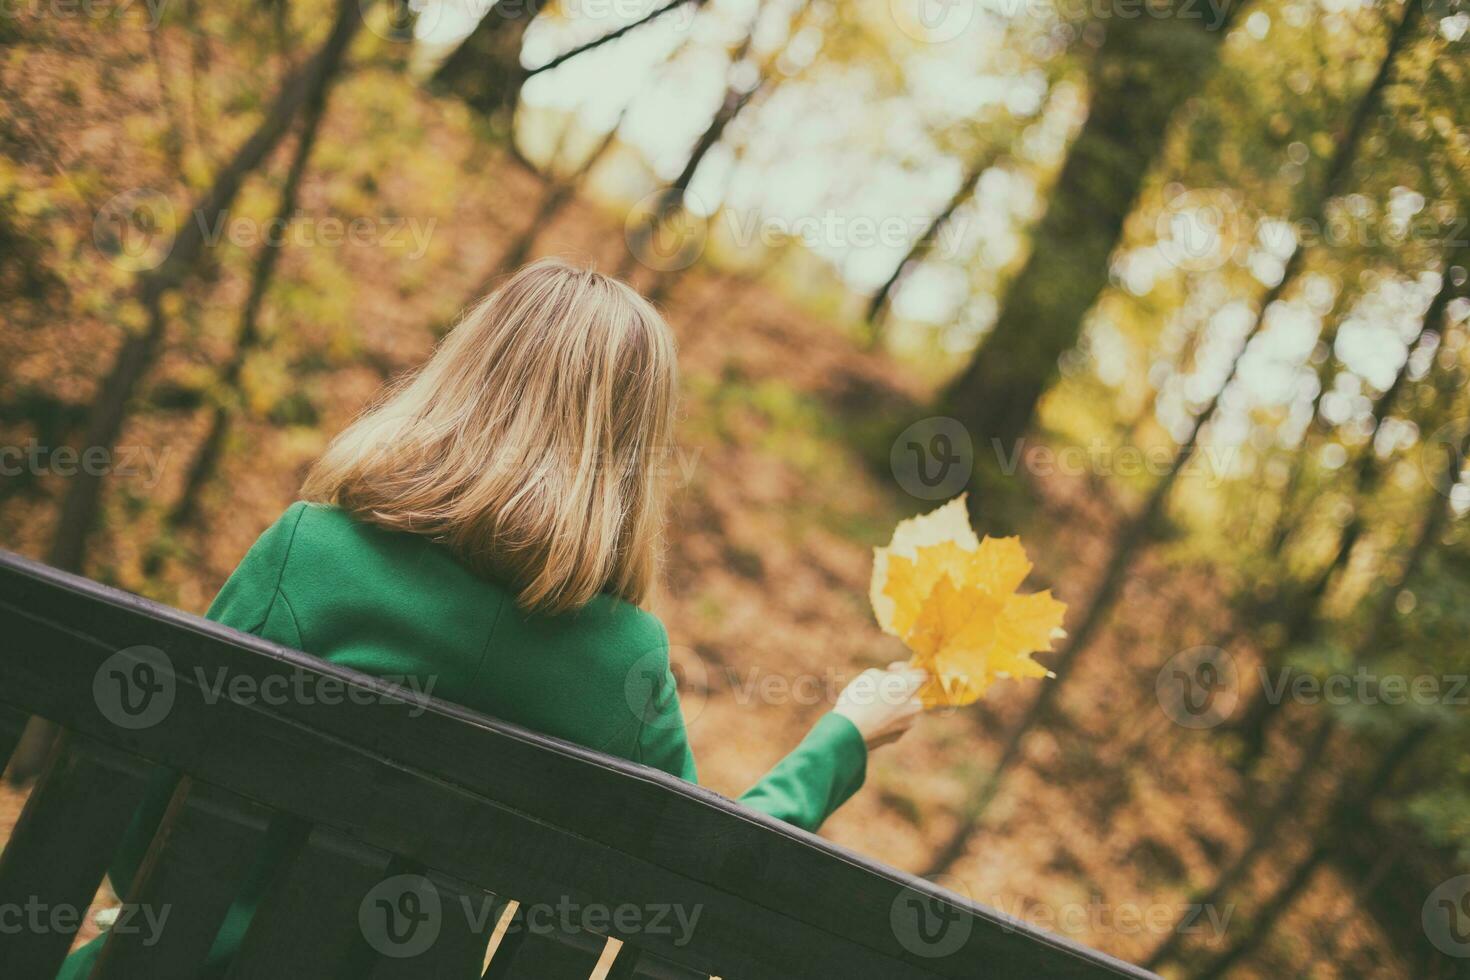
672,197
1139,529
922,246
485,70
1350,805
247,338
557,196
1145,70
82,500
138,351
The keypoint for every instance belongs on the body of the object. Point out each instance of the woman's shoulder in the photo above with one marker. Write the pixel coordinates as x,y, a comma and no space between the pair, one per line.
623,634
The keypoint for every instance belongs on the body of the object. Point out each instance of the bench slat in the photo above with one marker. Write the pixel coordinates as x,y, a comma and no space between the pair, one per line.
206,845
12,724
460,930
307,922
540,955
639,964
89,790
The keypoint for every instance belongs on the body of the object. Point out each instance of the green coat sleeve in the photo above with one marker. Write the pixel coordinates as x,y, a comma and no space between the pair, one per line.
804,789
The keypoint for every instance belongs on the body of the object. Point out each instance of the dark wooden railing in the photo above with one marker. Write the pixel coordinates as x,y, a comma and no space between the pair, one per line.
420,823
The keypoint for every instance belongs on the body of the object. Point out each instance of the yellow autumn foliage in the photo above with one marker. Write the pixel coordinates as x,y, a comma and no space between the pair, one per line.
952,599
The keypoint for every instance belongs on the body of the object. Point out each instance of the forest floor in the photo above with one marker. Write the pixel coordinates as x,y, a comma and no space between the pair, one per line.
1104,829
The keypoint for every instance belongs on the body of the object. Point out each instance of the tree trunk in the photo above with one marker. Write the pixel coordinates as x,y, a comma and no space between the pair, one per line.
923,245
1262,838
485,70
136,356
81,502
558,195
1305,603
1368,645
1145,70
671,198
1138,531
1351,805
247,337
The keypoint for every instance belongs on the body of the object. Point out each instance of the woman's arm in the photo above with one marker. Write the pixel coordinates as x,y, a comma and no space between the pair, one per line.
826,768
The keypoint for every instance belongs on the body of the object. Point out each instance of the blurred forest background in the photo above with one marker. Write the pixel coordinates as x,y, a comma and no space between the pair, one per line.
1177,289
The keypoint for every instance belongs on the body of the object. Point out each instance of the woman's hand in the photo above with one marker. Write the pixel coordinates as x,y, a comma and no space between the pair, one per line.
883,704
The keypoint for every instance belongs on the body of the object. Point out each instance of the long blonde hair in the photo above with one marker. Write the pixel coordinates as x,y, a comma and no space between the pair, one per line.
529,443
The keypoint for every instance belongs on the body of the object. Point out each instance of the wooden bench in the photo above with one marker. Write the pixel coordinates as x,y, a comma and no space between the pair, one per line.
425,822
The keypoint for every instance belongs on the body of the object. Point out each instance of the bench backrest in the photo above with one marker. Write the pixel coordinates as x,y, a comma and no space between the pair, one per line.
423,822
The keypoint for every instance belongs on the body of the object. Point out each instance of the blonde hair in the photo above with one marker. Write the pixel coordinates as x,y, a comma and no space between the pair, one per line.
527,443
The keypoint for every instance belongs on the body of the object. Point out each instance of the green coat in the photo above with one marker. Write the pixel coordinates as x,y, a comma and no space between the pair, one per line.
399,606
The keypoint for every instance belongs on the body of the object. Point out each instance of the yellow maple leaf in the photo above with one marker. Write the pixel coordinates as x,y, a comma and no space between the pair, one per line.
952,599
